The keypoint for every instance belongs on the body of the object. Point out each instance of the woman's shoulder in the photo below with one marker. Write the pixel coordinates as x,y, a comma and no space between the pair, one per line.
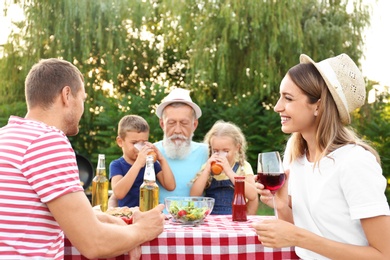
352,153
350,149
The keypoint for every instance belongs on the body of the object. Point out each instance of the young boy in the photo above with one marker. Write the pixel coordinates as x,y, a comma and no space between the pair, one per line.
127,172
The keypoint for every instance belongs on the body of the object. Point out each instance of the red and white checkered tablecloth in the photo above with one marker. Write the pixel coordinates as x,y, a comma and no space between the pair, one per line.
217,238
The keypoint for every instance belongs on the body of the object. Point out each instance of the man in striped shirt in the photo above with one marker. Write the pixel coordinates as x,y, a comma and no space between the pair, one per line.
40,193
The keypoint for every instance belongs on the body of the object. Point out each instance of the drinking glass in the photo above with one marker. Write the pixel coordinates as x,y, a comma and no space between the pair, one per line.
140,145
270,173
217,168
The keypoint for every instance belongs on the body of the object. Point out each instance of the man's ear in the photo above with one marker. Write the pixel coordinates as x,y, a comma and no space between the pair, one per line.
65,94
196,122
161,123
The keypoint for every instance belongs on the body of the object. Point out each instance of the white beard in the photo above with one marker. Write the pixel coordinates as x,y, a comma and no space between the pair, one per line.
179,148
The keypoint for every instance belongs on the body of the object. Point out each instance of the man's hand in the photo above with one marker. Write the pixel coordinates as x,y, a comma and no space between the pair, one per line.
152,221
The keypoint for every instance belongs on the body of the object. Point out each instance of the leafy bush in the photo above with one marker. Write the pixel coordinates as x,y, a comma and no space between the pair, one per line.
373,124
261,126
16,109
259,123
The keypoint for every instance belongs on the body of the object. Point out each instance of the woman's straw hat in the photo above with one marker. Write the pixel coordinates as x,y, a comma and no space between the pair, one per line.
178,95
345,83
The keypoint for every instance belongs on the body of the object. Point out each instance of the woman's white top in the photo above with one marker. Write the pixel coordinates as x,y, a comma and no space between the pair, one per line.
331,198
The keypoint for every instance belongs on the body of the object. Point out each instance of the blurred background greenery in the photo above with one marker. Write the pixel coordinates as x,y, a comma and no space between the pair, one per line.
231,54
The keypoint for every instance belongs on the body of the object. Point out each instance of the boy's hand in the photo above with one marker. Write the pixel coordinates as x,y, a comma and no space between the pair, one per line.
158,154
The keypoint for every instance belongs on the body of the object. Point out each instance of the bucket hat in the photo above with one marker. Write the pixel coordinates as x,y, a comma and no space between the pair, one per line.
178,95
345,82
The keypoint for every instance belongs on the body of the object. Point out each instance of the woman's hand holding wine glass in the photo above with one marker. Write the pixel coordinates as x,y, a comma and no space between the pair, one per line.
281,196
270,176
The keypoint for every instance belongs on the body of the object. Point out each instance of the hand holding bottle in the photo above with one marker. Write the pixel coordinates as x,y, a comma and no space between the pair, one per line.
151,150
152,221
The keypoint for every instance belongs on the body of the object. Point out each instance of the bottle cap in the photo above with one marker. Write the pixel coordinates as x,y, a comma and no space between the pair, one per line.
153,154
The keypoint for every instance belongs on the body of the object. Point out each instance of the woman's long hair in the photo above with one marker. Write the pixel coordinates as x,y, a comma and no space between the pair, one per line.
331,133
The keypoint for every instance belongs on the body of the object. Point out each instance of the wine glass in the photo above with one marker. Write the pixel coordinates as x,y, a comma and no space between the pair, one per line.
270,173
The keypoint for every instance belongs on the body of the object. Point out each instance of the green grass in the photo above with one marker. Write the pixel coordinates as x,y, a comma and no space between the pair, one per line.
264,210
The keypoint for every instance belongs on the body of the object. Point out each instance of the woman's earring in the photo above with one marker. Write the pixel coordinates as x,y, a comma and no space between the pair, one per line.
315,113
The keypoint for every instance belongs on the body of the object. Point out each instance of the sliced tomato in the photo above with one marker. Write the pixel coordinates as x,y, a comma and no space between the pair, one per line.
182,213
127,220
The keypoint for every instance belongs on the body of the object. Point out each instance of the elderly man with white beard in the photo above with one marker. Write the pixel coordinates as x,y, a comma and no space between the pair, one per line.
179,119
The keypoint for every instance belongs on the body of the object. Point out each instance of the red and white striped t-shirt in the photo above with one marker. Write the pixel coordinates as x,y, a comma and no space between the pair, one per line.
37,165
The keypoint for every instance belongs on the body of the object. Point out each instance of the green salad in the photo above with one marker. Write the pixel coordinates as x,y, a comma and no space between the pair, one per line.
187,211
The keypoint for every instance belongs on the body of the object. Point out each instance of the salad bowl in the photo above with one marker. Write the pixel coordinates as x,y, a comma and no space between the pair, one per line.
189,210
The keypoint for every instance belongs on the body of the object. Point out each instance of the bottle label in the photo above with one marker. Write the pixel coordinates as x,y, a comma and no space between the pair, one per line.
149,175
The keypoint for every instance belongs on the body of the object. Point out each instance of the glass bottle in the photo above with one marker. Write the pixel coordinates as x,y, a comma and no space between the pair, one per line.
100,185
239,202
148,192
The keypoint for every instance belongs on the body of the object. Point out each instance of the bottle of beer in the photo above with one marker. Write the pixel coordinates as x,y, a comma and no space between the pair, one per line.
239,201
148,192
100,185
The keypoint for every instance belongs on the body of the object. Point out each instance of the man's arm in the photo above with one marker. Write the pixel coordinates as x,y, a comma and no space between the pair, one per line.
80,224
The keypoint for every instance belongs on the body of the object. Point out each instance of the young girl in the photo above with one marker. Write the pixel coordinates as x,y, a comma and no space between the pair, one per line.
227,146
333,206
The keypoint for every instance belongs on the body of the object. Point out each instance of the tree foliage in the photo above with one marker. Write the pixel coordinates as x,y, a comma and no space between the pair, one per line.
372,122
223,48
232,54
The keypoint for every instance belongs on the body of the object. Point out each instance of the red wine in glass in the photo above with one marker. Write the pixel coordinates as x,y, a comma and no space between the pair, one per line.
271,181
271,173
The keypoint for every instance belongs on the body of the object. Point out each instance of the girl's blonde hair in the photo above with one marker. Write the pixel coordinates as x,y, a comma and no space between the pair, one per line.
228,129
331,133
